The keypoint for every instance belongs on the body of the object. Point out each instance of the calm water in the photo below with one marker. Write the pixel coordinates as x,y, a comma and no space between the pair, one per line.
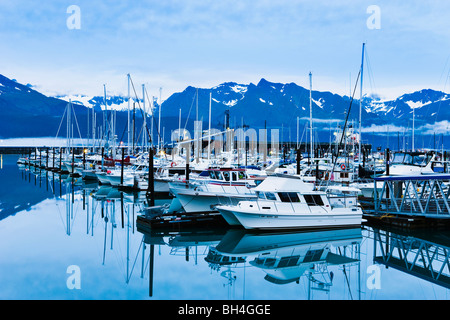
64,239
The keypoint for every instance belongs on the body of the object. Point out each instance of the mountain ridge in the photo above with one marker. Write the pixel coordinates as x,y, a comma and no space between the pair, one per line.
263,105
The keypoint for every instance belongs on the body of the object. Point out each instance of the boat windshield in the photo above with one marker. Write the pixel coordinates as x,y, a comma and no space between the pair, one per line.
402,158
406,158
260,195
270,196
419,159
215,175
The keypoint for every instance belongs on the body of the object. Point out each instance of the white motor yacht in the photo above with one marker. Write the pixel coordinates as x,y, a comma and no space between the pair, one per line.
287,202
224,186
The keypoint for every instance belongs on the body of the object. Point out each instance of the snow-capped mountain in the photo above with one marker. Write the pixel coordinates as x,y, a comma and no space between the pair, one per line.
265,104
117,102
426,103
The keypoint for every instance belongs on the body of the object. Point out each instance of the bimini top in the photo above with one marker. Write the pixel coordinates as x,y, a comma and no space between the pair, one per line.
286,183
431,176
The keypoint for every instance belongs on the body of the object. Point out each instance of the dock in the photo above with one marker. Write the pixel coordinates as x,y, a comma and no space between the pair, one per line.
181,221
412,201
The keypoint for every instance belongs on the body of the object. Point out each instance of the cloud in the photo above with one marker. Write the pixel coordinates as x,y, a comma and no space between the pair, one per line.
440,127
201,41
383,129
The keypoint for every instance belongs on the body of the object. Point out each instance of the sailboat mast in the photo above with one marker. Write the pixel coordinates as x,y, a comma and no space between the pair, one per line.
412,144
129,107
197,142
105,116
360,104
69,112
179,125
144,132
209,127
159,120
310,116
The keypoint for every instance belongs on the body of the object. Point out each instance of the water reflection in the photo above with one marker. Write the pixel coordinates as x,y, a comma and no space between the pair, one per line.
283,257
286,256
417,253
122,259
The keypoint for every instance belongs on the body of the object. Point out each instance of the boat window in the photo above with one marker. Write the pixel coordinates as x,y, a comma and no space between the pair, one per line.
260,195
257,182
219,175
313,255
212,175
408,159
268,262
288,261
398,158
241,175
233,176
175,171
270,196
288,197
313,200
343,174
419,159
226,176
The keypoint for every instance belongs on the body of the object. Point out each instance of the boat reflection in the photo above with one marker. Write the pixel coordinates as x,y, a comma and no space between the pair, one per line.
286,256
305,264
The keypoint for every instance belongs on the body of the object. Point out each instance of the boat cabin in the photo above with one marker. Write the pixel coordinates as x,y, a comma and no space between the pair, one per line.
311,199
232,176
412,158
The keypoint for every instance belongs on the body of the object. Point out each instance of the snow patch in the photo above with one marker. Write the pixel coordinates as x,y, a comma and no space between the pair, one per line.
319,102
231,103
239,89
86,101
415,105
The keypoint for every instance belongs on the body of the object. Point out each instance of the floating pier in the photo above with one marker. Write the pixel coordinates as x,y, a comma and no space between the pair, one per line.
178,221
409,201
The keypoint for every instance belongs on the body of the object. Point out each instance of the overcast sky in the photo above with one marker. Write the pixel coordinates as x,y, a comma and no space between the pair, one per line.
176,43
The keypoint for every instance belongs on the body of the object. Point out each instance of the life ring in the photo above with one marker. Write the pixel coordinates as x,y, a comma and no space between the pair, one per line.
172,164
343,166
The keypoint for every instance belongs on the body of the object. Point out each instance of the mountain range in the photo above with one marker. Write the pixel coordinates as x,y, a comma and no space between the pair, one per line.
24,112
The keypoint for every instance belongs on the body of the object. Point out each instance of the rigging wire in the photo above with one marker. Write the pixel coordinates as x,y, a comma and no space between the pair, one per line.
345,123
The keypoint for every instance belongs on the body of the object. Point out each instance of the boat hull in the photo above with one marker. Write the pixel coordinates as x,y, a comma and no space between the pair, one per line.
289,220
198,201
102,177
